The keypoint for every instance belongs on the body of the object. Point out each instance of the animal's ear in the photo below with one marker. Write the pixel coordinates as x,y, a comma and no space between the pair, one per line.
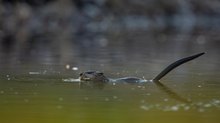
80,74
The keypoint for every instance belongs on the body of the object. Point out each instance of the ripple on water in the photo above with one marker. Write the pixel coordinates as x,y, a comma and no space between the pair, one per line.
106,99
86,98
75,68
59,107
26,100
34,73
71,80
115,97
199,106
144,107
60,99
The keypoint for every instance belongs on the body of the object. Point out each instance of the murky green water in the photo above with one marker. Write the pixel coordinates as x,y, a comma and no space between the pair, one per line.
38,94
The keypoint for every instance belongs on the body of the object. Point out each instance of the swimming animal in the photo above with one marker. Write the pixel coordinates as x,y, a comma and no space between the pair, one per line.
99,77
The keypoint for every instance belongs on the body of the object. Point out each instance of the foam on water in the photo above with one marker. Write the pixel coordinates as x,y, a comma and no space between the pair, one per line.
71,80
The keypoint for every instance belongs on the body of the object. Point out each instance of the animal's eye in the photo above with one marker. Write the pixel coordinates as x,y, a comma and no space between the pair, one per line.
90,72
100,73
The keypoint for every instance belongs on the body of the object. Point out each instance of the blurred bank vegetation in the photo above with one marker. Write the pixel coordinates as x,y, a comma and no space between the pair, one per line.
55,30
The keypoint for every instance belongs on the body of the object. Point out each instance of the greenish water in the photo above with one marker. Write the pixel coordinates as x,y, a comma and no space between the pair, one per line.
42,96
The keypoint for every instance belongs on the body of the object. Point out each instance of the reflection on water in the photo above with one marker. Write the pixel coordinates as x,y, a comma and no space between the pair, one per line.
171,93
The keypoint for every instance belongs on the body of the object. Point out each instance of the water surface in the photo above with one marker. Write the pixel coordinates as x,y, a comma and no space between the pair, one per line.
37,93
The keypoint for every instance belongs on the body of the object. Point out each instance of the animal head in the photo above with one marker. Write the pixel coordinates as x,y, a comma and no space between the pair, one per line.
92,76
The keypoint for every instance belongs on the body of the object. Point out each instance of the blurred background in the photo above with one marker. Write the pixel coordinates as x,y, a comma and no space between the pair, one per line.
84,32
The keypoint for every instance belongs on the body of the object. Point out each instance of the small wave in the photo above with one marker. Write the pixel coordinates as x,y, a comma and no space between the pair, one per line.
71,80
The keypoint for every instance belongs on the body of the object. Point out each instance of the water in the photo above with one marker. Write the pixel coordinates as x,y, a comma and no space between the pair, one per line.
37,93
32,86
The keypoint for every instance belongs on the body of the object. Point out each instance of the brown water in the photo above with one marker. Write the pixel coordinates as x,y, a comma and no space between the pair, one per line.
33,93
